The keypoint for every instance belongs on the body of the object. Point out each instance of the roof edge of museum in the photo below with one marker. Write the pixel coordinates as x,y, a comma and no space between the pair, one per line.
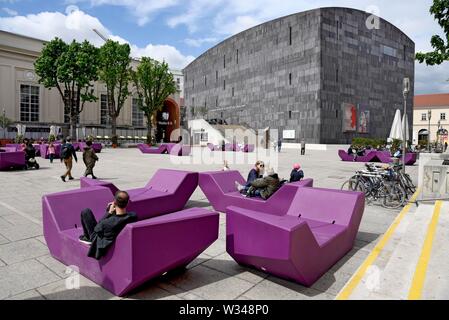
423,101
290,15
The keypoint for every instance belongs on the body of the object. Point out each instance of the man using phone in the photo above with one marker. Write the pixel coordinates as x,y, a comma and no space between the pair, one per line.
100,235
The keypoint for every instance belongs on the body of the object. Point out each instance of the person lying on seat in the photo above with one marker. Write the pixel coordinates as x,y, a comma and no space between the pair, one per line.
100,235
264,187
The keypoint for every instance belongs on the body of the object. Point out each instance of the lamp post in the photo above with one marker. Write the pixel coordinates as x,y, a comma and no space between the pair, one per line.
406,86
429,115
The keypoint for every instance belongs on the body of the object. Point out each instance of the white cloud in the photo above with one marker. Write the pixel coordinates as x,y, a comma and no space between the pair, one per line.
199,42
79,26
143,10
10,11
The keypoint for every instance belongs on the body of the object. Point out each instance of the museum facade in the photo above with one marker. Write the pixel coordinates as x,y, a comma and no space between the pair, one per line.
325,75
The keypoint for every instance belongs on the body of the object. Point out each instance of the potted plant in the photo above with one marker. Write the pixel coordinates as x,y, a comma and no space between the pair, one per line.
114,140
51,138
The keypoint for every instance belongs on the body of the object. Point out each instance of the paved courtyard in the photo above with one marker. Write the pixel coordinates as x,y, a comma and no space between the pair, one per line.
27,271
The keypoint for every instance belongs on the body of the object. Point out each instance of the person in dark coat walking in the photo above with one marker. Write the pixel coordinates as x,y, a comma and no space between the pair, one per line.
279,144
100,235
303,147
67,155
89,159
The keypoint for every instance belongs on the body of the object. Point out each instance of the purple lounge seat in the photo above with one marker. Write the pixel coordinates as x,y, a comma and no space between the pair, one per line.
180,150
143,250
219,188
37,148
12,145
229,147
44,150
385,157
370,156
144,148
12,159
248,148
8,149
299,241
167,191
95,145
212,147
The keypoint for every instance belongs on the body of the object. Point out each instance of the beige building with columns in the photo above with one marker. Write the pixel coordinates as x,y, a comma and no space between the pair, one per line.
24,101
437,106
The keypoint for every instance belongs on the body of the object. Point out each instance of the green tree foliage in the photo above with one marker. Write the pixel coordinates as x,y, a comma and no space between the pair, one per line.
5,122
440,10
154,83
71,69
114,71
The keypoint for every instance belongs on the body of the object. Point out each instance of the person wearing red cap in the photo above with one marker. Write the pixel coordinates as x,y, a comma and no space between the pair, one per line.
297,174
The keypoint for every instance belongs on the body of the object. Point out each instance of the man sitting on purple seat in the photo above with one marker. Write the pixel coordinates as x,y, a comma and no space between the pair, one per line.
100,235
264,187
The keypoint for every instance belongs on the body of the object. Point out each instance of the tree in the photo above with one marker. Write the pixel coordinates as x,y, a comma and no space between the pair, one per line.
71,69
5,122
154,83
440,10
114,71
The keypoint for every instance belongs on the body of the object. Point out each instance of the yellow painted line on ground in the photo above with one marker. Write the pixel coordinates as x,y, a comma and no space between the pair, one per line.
347,290
416,288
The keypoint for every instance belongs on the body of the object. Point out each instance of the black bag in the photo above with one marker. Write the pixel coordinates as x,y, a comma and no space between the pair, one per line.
65,152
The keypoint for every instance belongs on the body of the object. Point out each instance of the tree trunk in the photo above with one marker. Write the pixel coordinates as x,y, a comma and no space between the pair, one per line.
149,130
113,125
73,127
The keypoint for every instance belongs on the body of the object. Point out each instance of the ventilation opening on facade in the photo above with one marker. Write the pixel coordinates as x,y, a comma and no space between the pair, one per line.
224,84
290,79
289,114
336,113
205,81
290,35
224,61
216,75
237,56
232,91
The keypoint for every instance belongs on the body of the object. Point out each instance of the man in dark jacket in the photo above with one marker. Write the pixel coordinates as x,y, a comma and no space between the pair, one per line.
100,235
89,159
67,155
254,173
264,187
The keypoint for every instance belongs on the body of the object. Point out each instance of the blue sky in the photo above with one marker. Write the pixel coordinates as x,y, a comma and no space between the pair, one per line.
180,30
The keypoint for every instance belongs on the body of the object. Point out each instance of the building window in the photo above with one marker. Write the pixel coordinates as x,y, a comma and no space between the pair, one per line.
29,103
290,35
336,75
290,79
389,51
221,115
178,84
205,81
289,114
193,83
237,56
216,102
104,114
224,61
423,116
442,116
137,114
232,91
405,52
193,102
336,113
224,84
216,75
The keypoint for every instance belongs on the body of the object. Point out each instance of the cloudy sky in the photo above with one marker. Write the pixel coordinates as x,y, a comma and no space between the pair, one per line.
180,30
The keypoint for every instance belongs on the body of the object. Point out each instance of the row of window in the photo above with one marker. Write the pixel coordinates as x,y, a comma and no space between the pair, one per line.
30,106
424,116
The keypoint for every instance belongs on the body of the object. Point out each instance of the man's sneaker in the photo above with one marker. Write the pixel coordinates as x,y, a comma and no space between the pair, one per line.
94,177
63,178
238,186
84,240
71,178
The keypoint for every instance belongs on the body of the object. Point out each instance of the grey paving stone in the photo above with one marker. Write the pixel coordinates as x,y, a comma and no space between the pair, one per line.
217,248
278,289
28,295
3,240
22,250
226,264
199,260
211,284
54,265
2,264
88,290
151,292
24,276
18,228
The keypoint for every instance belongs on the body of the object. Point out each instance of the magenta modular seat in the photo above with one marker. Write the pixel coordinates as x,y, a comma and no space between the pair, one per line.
229,147
248,148
219,188
12,159
8,149
180,150
299,240
37,148
370,156
96,146
385,157
213,147
144,148
44,150
167,191
12,145
143,250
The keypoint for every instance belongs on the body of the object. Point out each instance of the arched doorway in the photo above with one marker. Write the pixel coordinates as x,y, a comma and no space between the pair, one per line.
167,120
423,135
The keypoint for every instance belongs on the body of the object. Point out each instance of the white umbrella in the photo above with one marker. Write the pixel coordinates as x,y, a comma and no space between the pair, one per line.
396,128
405,120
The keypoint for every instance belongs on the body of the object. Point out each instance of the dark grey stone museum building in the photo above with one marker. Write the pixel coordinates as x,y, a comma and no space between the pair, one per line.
326,75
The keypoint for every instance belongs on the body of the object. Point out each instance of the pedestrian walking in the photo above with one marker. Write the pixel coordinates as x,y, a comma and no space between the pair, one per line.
303,147
279,144
67,155
89,159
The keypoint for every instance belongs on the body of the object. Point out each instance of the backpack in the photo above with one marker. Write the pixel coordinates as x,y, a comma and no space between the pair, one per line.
65,152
